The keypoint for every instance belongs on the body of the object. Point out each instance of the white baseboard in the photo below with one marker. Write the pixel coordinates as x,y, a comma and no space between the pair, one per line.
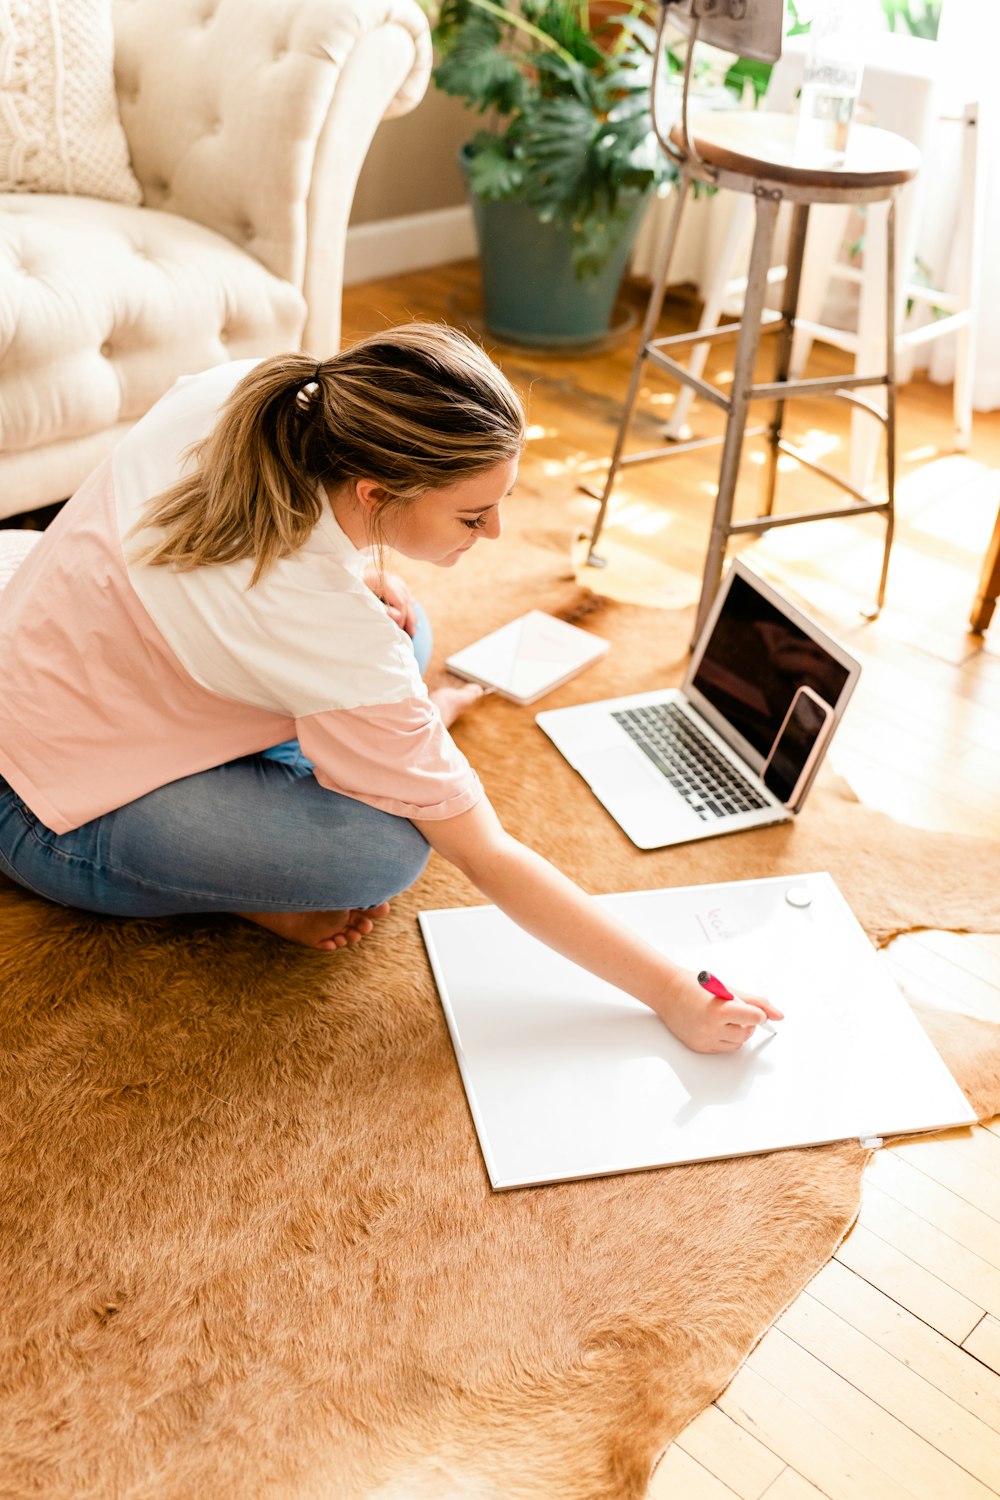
392,246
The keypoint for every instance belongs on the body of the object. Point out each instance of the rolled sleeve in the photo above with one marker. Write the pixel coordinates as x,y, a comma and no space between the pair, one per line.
397,757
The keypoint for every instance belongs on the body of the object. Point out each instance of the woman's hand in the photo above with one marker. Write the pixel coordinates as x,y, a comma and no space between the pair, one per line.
708,1025
536,896
395,595
453,696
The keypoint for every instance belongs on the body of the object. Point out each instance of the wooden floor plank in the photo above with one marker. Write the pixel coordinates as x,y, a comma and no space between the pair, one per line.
939,1205
916,958
931,1247
914,1343
984,1342
896,1388
808,1444
945,1162
678,1474
986,942
922,991
964,952
978,1146
885,1266
914,1463
729,1452
897,746
791,1486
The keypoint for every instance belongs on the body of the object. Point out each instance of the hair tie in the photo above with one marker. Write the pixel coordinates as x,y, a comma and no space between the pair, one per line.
305,396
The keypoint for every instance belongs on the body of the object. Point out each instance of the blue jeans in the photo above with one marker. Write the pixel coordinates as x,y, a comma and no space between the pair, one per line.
256,834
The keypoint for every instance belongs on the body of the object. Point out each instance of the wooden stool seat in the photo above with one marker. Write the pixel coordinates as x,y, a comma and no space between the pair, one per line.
761,144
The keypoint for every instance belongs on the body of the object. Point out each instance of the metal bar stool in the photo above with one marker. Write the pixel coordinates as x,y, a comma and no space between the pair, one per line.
758,154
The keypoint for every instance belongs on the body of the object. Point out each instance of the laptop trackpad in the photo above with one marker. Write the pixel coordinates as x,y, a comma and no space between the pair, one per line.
638,797
619,769
628,776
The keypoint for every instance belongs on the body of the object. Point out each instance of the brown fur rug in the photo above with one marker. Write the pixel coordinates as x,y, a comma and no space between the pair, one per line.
249,1248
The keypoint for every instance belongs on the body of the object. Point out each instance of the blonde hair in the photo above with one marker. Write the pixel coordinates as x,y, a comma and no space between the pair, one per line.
418,407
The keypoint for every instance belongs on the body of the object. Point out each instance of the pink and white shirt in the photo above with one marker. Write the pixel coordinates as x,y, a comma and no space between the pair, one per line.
119,677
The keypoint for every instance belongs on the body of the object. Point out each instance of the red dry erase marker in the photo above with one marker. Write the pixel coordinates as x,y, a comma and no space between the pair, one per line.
714,986
718,989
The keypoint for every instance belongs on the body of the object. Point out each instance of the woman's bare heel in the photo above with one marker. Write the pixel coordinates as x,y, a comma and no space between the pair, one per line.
327,930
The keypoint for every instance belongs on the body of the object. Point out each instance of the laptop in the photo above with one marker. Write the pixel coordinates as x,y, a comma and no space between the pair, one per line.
727,750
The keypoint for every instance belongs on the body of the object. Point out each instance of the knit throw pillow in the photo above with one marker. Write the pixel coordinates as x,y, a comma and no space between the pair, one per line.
59,126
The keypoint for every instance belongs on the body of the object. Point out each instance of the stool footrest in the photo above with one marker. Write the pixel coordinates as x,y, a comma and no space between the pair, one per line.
843,484
767,523
710,392
775,390
878,412
771,322
780,390
687,445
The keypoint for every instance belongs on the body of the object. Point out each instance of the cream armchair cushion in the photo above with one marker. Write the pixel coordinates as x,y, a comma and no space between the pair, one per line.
247,122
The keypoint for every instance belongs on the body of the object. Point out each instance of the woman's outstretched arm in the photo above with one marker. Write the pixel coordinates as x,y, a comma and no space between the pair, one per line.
535,895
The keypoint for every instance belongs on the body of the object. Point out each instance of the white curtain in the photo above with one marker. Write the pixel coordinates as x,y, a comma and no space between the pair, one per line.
969,43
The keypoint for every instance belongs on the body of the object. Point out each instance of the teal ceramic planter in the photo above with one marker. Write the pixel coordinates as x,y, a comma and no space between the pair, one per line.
531,293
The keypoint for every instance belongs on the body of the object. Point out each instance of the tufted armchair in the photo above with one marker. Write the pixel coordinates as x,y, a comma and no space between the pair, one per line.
247,123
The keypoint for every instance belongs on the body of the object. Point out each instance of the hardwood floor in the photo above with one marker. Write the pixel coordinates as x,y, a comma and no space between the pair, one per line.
882,1381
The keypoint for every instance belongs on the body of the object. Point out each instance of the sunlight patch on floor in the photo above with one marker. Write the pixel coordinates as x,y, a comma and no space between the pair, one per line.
638,516
955,500
945,511
633,575
815,444
648,522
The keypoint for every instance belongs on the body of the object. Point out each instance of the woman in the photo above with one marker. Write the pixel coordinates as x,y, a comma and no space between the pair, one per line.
213,696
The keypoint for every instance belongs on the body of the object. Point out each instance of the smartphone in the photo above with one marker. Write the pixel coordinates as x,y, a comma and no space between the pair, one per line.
798,748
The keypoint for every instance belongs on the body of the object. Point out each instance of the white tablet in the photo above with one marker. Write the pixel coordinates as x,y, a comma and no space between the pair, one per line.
529,657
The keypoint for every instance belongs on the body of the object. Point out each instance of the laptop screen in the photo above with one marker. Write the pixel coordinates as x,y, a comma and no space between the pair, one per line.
755,659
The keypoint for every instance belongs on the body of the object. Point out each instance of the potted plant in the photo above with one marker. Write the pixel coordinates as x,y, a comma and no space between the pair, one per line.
560,175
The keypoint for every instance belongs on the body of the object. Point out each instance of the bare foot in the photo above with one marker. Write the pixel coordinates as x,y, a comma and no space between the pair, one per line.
319,929
453,697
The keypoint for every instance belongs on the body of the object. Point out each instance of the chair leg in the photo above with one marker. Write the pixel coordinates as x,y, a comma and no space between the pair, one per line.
970,238
652,318
890,399
785,339
829,228
739,399
732,251
989,584
965,359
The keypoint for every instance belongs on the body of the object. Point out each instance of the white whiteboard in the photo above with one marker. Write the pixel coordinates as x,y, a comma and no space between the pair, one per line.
568,1077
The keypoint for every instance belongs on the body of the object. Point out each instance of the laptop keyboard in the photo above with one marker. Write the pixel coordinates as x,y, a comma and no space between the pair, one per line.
709,784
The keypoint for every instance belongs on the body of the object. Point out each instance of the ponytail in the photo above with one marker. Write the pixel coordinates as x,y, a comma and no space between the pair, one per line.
416,408
250,494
